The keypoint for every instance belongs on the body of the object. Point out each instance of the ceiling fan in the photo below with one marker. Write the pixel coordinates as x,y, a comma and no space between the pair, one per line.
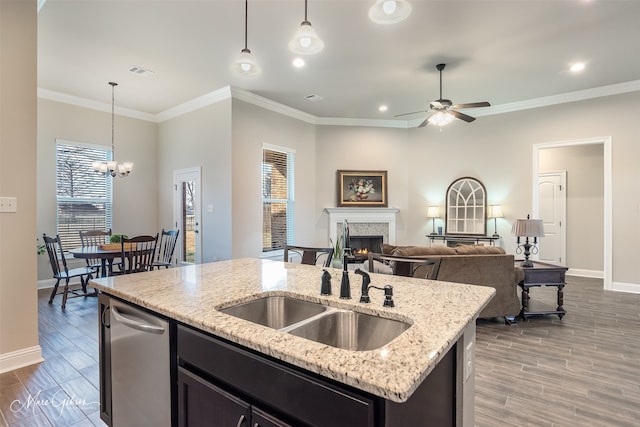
443,111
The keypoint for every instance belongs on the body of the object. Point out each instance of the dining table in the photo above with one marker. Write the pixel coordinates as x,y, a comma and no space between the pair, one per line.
106,255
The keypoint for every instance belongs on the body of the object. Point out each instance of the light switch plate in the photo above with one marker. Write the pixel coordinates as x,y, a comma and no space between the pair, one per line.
8,204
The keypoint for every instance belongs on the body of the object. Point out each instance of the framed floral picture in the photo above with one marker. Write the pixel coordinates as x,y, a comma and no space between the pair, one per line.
362,188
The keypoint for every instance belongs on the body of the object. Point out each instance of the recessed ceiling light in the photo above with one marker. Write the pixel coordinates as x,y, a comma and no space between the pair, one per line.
298,62
576,67
383,108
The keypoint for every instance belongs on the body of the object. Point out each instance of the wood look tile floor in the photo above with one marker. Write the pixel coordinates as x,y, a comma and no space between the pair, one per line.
63,390
583,370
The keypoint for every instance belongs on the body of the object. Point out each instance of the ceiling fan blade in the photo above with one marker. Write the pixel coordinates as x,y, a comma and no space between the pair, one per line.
462,116
424,123
413,112
472,105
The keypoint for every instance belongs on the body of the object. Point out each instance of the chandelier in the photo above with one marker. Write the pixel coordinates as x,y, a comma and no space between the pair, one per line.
112,167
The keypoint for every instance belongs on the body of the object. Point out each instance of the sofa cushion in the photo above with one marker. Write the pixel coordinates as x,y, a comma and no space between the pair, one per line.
423,250
387,249
478,250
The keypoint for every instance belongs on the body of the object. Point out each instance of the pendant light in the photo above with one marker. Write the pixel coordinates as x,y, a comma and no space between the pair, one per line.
389,11
306,40
245,64
112,167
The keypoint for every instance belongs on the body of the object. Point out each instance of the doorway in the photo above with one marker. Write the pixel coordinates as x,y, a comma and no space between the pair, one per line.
607,240
186,216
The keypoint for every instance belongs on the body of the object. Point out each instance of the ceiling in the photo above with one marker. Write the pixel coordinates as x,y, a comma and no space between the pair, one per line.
504,52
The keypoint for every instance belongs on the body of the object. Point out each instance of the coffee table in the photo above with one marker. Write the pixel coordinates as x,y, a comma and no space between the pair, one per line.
539,275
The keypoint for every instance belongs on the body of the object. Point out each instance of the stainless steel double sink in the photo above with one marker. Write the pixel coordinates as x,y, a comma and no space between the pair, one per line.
337,327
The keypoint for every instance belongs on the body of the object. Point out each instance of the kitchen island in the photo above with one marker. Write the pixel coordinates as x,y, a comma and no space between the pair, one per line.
391,384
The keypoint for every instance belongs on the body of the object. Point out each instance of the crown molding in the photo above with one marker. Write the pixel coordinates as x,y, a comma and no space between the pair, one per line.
268,104
227,92
202,101
93,105
545,101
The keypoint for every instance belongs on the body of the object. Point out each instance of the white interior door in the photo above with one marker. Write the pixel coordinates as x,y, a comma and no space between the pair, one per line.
186,202
552,193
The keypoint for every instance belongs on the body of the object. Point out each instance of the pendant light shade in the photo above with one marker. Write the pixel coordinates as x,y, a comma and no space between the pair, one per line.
389,11
306,40
245,64
113,168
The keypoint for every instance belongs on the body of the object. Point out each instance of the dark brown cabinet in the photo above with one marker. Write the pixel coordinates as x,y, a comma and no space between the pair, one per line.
201,403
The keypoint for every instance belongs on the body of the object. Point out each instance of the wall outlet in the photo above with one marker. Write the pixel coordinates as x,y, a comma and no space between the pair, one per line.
8,204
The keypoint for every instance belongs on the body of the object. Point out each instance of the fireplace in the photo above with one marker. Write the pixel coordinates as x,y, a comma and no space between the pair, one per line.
362,245
369,222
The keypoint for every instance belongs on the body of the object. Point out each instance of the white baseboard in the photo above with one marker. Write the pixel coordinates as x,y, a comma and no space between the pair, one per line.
46,283
633,288
20,358
595,274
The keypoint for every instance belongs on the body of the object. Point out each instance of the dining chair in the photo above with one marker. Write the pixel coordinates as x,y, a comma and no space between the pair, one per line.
61,271
95,238
138,253
166,247
308,255
424,267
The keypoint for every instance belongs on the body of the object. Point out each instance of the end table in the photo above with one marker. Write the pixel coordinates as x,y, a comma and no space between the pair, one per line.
542,274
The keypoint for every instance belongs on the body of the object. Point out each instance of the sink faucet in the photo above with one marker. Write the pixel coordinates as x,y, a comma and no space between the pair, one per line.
345,286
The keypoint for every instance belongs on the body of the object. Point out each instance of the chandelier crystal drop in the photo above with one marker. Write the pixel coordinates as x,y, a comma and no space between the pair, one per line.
113,168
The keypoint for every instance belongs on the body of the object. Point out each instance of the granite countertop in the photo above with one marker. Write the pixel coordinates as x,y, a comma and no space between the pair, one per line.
437,311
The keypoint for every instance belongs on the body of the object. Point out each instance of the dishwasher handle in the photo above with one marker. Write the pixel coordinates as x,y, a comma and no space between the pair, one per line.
136,323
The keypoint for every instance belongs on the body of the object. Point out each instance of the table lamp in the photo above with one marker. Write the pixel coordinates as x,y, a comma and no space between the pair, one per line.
432,213
495,212
527,228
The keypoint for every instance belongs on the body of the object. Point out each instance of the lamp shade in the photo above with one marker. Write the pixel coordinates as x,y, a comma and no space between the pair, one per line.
389,11
432,212
495,211
528,228
306,40
245,64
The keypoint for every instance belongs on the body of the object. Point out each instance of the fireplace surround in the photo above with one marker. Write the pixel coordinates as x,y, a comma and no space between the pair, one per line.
364,222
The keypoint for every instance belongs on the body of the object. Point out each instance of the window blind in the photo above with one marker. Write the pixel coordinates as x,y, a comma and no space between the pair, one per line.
83,197
277,199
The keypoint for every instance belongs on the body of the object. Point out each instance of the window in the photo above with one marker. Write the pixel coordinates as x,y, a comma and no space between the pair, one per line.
83,196
277,198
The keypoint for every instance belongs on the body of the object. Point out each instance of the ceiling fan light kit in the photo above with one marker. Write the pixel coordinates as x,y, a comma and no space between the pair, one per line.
442,111
245,64
306,40
389,11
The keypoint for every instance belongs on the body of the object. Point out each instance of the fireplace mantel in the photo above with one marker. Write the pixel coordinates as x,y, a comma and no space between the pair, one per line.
363,215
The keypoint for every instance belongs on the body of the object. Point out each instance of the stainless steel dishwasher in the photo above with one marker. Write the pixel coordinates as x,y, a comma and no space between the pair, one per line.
140,367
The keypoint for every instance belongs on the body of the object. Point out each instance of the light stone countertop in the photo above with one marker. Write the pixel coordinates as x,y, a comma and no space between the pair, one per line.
438,313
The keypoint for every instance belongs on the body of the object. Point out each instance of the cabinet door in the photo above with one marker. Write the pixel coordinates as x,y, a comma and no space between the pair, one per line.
104,345
262,419
201,403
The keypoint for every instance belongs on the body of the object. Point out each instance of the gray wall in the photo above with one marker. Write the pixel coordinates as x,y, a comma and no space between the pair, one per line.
200,138
585,201
252,127
135,198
